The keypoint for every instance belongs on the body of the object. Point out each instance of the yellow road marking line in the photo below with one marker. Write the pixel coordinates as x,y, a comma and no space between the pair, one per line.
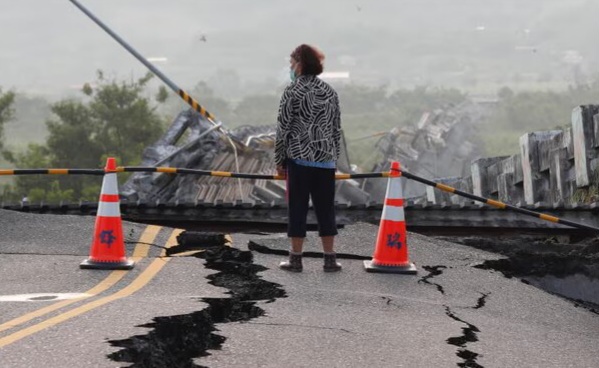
169,243
140,251
188,253
193,252
141,280
148,236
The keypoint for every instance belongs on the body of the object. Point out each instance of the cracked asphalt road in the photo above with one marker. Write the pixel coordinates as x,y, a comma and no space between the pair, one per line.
450,314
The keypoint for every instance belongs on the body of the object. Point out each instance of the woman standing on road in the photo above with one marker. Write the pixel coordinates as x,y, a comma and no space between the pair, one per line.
306,150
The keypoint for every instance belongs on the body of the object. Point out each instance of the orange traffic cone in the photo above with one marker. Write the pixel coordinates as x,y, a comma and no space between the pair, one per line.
108,247
391,252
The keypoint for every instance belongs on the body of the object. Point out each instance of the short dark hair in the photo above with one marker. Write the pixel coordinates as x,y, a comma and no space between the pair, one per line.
310,59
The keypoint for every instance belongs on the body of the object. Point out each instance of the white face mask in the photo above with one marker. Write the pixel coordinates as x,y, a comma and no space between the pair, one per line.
292,74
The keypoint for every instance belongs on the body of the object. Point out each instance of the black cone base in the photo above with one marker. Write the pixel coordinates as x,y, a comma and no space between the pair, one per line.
409,269
90,264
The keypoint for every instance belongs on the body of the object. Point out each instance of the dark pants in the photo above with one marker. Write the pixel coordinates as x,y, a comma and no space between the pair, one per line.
304,182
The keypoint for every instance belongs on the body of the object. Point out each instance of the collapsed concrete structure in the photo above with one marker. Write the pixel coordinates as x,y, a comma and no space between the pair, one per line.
194,142
553,168
439,144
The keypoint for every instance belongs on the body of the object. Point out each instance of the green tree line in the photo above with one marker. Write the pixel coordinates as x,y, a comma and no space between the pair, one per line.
6,112
520,112
112,119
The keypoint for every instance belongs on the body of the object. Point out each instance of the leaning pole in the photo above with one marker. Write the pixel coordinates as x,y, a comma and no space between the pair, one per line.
184,95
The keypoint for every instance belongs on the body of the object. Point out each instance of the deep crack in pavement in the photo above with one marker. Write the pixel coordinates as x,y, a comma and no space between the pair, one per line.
481,301
469,335
568,270
174,341
530,266
255,247
537,257
432,272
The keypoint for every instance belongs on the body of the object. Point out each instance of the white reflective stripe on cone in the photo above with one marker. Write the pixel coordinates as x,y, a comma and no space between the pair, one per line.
110,185
394,189
393,213
109,209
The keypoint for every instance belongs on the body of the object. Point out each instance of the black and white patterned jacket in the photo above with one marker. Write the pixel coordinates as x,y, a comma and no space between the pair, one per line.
309,122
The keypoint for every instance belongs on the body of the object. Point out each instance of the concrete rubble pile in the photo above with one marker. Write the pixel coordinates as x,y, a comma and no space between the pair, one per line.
440,144
192,142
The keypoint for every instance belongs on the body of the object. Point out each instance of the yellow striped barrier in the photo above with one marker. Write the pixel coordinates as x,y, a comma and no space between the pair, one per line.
53,172
174,170
498,204
227,174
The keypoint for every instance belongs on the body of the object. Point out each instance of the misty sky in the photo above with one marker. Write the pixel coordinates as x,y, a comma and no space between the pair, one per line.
50,47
